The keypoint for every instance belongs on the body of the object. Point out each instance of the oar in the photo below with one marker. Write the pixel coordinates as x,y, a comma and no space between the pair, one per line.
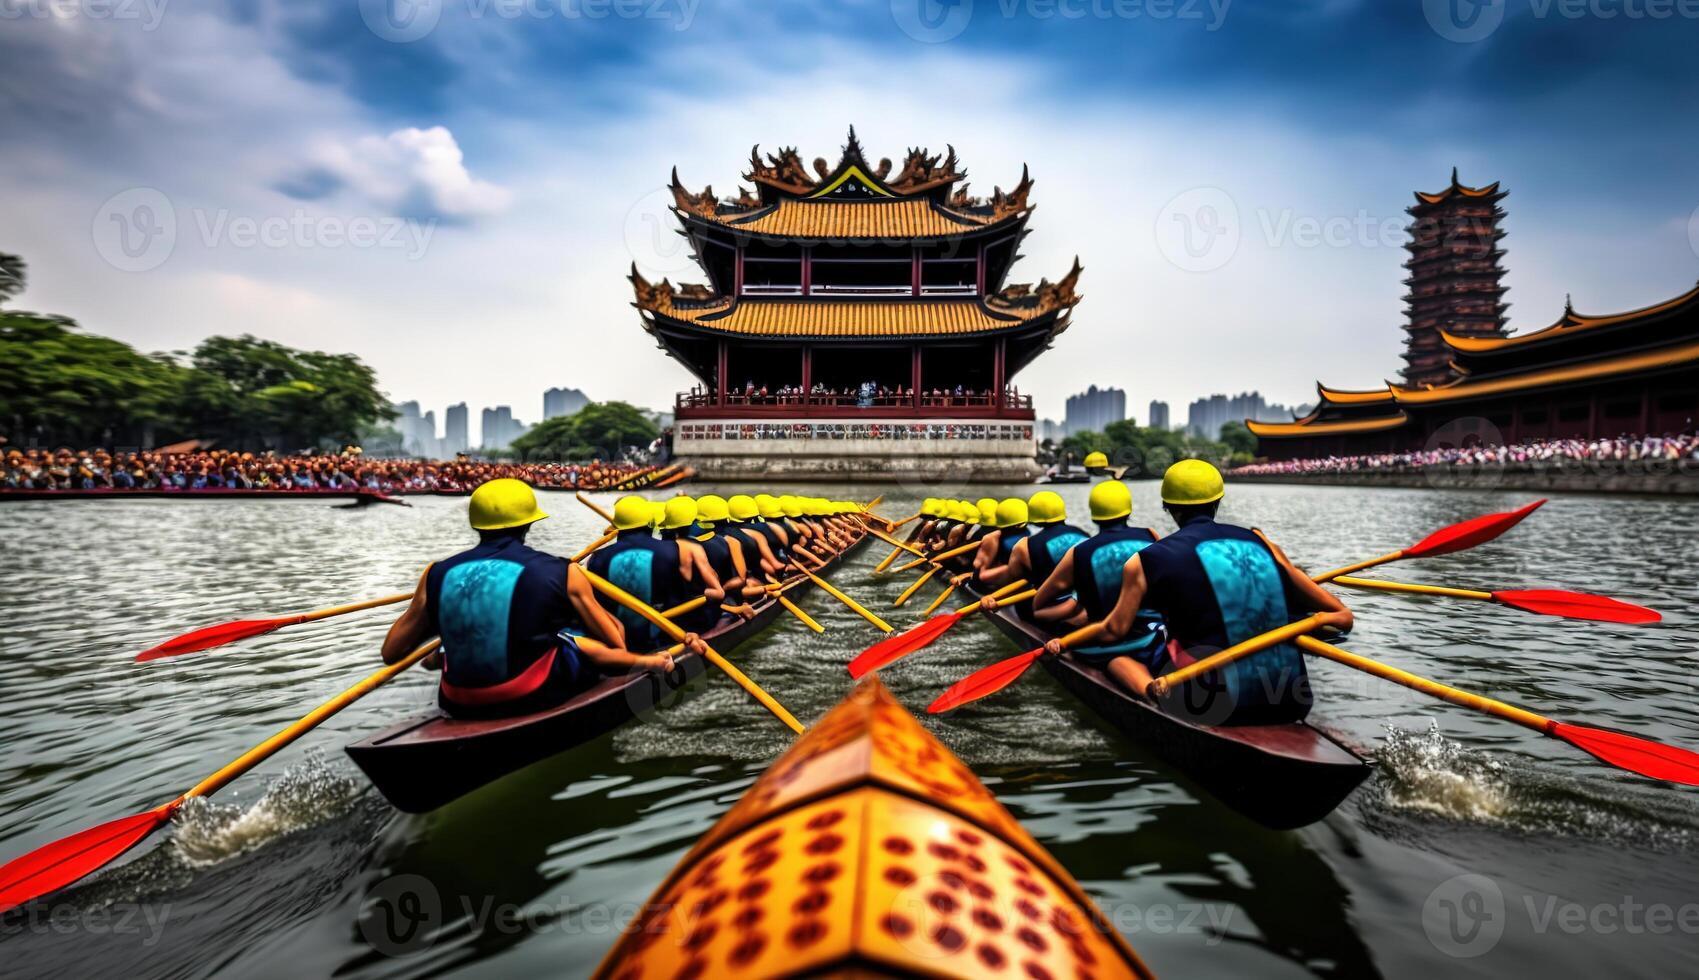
671,629
1654,760
601,511
909,592
989,680
208,637
1159,687
893,648
941,556
1457,537
949,590
832,591
1546,602
688,605
901,547
777,591
53,866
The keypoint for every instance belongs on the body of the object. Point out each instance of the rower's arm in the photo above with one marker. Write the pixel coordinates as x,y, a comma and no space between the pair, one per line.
411,628
618,658
1317,599
1119,623
596,618
997,576
711,586
1047,606
987,552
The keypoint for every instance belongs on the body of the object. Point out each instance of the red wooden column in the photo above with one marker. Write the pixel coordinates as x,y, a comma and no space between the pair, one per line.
807,371
914,272
999,359
807,270
914,372
720,376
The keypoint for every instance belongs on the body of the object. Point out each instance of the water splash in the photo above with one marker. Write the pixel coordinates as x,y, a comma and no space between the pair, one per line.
1426,773
308,793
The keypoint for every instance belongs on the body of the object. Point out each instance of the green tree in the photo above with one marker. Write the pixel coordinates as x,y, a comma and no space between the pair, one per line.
604,429
12,276
1237,437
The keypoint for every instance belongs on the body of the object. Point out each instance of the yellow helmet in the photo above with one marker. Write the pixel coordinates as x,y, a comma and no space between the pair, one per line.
711,508
970,513
932,507
1110,500
767,506
814,507
676,513
501,504
1096,461
1046,507
987,511
1011,512
742,507
632,512
790,506
1190,482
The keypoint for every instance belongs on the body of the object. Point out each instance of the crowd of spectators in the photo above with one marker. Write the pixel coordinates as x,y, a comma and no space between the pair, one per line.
98,469
1532,454
868,394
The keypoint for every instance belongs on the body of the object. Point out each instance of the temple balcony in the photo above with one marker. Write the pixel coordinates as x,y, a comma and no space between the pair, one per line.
700,403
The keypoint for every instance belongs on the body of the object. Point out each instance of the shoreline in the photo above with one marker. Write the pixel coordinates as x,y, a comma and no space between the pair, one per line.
1662,478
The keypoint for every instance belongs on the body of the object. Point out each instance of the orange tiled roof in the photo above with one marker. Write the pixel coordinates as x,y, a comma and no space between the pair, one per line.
1591,370
1339,396
894,219
1570,323
853,318
1304,427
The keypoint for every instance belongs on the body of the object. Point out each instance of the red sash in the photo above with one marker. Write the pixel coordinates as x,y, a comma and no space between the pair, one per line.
528,681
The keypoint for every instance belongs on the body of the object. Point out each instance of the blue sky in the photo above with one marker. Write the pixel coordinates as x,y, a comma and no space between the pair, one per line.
454,189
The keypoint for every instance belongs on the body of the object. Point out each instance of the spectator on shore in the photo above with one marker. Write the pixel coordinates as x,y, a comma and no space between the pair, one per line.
1532,454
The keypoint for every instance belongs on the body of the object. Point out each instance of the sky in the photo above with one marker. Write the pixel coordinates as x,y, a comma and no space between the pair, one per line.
455,190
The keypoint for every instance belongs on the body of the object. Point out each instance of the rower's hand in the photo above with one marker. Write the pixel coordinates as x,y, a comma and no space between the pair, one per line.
989,603
694,644
714,595
434,661
660,663
1053,647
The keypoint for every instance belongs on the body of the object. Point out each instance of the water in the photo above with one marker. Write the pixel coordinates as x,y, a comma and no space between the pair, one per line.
1477,848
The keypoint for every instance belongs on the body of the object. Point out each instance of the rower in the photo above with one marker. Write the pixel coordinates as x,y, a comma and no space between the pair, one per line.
985,510
744,514
522,630
650,569
1216,585
678,526
1035,556
726,553
996,547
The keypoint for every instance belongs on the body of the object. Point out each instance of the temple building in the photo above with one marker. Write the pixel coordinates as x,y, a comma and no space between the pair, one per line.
856,322
1467,380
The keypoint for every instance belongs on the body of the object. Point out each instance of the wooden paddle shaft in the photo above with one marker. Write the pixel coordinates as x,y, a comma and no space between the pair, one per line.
689,605
604,539
270,746
1385,586
353,607
941,556
998,595
832,590
796,610
670,628
1508,712
1356,567
909,592
1238,651
949,590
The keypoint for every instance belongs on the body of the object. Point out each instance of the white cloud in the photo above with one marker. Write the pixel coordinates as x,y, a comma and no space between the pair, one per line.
414,172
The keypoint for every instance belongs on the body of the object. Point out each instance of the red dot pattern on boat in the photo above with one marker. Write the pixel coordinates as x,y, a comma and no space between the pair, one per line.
868,843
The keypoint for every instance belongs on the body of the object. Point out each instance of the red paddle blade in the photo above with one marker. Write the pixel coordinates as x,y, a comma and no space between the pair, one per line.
208,637
1653,760
984,682
899,645
53,866
1470,533
1578,605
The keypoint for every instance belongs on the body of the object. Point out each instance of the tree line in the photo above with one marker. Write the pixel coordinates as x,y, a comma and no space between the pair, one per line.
64,386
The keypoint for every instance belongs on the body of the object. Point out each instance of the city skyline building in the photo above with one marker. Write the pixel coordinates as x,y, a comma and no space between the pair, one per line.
1094,409
563,401
456,437
1158,415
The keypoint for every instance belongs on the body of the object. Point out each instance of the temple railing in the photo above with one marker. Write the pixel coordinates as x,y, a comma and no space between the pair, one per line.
701,403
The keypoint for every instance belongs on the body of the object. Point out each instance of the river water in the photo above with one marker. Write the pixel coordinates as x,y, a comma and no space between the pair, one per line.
1476,848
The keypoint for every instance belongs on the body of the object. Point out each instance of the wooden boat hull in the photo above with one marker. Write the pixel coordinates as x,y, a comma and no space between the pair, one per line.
869,850
209,493
433,759
1282,776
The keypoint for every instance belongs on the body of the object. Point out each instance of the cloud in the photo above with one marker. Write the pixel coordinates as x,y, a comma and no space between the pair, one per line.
412,172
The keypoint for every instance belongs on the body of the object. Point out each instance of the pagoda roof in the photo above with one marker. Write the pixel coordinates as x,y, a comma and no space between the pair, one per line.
1012,308
1592,370
1567,325
900,218
1458,190
1310,426
1341,396
789,201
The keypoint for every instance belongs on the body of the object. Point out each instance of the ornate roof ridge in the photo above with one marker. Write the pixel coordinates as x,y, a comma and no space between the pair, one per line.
1045,297
1568,324
1457,189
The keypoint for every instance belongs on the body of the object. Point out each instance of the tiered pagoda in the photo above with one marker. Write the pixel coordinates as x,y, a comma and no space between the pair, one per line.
856,322
1455,277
